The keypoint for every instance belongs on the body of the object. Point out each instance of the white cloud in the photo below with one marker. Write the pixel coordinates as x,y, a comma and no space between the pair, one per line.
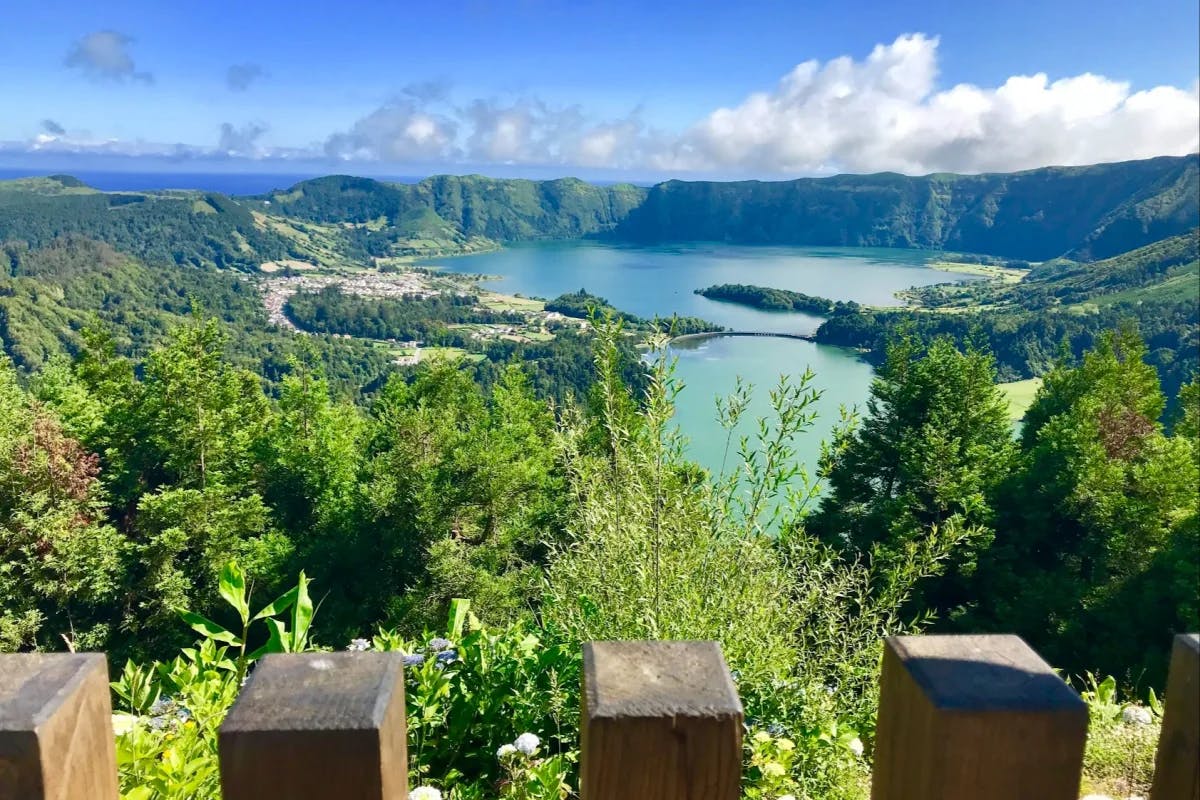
884,113
104,55
399,131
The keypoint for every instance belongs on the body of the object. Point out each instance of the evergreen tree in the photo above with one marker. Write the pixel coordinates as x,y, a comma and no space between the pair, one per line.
1096,551
933,446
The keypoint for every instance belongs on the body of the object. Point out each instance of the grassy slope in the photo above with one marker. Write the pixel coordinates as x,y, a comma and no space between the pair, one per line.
1020,396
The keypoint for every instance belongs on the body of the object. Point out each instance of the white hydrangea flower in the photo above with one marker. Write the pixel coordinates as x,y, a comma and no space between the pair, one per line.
1136,715
856,746
787,797
527,743
425,793
505,751
123,723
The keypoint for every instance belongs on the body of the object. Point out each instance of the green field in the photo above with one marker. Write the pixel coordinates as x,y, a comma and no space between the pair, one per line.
1020,396
508,302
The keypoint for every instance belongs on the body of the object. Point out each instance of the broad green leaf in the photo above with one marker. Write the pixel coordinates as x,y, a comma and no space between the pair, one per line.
281,604
232,586
302,615
459,608
209,629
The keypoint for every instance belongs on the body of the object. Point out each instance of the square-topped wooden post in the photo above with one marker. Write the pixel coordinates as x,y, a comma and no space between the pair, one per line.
661,721
56,734
318,725
1177,764
982,717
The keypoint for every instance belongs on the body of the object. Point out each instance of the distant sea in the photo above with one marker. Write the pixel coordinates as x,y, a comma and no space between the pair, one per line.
224,183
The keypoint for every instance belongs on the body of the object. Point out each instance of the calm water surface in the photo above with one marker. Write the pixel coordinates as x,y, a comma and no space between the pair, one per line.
650,281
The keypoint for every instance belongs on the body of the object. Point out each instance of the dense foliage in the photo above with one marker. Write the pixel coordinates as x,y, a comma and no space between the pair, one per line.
128,488
1092,514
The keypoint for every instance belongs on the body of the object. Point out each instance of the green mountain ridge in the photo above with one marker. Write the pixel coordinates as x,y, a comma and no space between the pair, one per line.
1084,213
1087,212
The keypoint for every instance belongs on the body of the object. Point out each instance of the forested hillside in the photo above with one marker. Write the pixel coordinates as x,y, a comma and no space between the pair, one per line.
498,209
191,229
1087,212
51,295
1155,288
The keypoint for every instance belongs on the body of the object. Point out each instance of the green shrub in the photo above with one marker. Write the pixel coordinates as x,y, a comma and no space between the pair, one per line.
1122,740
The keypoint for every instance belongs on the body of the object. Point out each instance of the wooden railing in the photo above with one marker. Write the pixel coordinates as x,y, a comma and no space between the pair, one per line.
979,717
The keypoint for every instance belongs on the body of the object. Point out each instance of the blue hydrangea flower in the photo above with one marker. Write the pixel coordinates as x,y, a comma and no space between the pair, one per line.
439,644
359,645
414,660
447,656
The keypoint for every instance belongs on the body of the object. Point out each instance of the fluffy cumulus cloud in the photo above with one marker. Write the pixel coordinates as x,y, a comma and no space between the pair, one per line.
883,112
239,77
104,55
423,125
402,130
886,113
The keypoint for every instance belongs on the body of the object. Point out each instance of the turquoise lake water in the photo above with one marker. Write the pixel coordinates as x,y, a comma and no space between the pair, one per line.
650,281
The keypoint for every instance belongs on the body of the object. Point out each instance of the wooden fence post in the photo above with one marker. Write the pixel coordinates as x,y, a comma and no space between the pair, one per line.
661,721
982,717
318,725
56,734
1177,765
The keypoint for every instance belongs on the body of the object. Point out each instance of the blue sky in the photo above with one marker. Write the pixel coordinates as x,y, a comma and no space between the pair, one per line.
620,88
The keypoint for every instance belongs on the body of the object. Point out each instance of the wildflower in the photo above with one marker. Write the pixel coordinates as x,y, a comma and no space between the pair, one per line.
773,769
787,797
527,743
439,644
414,660
506,751
856,746
447,656
762,736
785,745
1136,715
425,793
359,645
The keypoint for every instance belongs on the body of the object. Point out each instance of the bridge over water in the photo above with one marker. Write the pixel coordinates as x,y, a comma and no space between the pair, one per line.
691,337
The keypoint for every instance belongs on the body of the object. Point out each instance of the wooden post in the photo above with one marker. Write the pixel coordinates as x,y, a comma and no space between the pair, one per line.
661,721
982,717
313,726
56,734
1177,765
